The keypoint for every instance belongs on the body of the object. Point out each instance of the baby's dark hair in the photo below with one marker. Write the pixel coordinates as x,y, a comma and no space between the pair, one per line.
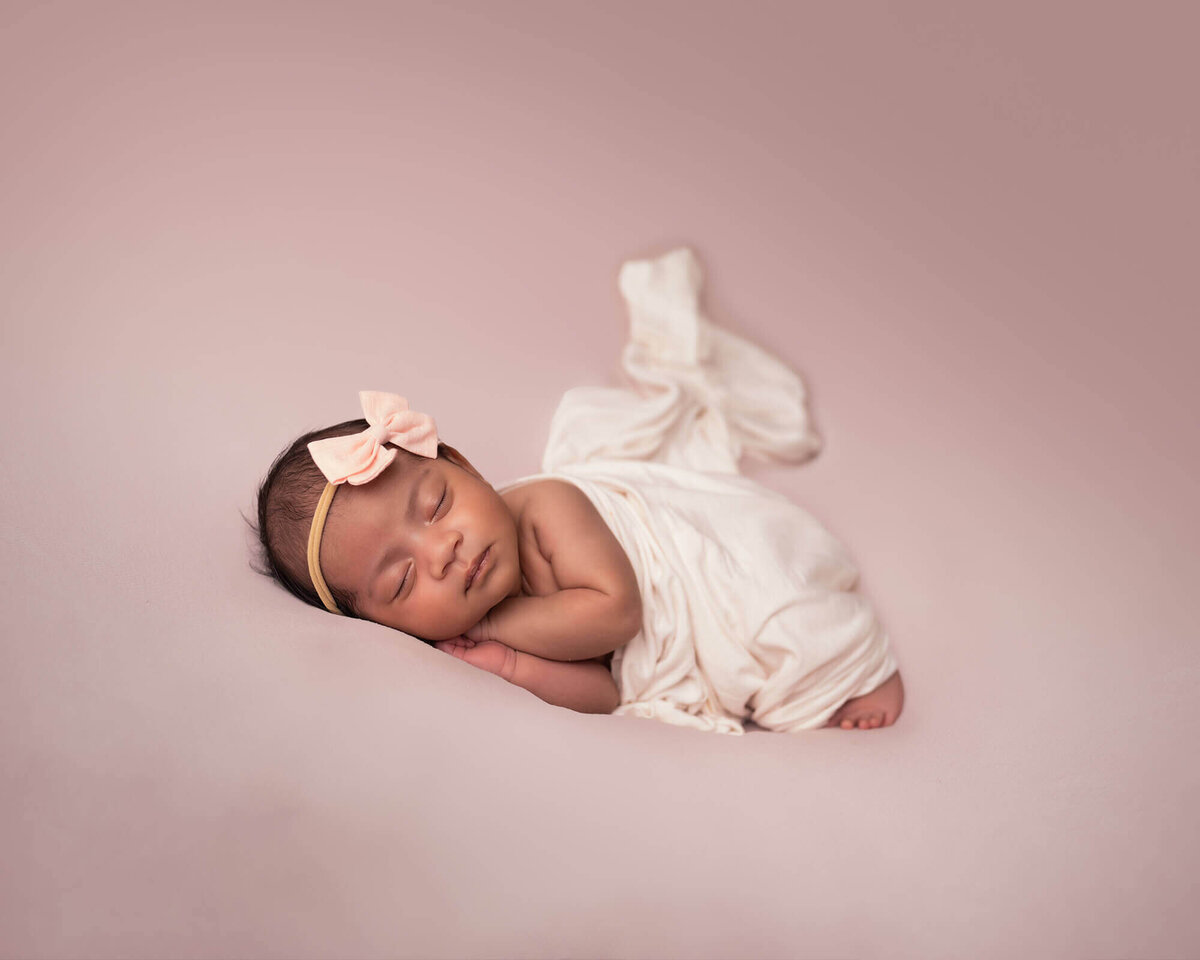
287,500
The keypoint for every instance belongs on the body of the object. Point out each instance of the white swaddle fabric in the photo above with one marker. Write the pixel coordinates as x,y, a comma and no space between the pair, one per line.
749,606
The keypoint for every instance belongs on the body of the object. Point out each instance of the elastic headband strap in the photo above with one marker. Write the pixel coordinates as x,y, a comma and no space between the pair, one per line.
314,547
360,457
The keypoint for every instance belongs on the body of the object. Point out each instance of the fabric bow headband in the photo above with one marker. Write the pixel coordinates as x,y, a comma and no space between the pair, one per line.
360,458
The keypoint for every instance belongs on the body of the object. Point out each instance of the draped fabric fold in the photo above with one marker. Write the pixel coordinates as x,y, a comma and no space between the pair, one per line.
749,606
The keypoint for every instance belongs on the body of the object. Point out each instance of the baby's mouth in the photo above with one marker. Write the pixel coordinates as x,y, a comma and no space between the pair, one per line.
475,568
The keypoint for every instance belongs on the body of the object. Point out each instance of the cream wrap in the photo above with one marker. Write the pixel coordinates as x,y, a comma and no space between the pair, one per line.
749,603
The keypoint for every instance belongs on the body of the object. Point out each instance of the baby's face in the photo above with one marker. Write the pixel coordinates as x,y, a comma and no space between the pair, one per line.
405,542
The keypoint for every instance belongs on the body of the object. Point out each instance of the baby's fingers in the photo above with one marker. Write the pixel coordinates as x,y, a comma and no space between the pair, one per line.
456,646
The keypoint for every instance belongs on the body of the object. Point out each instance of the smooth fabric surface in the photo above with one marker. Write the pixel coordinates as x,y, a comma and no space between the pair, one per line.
749,607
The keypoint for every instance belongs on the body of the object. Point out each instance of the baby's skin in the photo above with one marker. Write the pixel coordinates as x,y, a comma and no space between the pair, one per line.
530,584
879,708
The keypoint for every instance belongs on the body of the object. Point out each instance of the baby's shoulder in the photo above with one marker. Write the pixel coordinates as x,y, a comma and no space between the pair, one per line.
568,533
541,500
532,508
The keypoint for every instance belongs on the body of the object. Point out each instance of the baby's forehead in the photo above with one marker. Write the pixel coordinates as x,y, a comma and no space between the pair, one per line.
390,492
363,513
364,516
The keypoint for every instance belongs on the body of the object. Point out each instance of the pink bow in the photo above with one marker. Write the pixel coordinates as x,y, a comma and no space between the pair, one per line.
361,457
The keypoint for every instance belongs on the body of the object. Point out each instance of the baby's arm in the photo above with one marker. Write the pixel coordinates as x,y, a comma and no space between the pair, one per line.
571,625
597,607
587,686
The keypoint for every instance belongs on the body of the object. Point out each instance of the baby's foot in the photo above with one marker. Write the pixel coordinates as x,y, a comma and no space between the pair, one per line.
879,708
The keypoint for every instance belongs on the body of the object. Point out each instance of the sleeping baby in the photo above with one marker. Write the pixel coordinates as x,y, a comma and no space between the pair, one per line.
638,573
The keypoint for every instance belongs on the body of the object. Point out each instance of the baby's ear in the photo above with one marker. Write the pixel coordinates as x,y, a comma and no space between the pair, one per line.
447,451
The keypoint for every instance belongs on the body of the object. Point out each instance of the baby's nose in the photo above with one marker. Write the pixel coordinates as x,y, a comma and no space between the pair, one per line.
447,553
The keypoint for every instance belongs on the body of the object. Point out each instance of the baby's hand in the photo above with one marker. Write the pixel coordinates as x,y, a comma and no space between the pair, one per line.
481,631
489,655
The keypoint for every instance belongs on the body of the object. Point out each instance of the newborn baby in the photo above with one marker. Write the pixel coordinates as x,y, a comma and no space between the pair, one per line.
639,573
430,548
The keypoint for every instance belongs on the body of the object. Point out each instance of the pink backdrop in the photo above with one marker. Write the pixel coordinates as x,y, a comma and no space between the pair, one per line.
972,229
